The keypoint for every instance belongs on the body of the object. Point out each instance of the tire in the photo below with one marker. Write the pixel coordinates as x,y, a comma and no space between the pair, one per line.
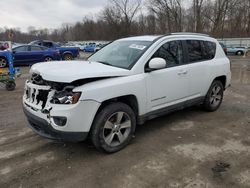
214,96
239,53
47,59
113,127
67,57
3,62
10,85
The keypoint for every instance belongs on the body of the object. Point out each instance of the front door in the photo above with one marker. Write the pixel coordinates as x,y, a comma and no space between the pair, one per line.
168,86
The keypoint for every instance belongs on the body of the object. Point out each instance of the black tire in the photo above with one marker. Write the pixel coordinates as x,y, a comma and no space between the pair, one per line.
67,57
214,96
10,85
47,59
3,62
107,116
239,53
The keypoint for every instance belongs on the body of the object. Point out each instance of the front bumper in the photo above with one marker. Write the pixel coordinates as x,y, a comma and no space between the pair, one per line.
42,118
44,129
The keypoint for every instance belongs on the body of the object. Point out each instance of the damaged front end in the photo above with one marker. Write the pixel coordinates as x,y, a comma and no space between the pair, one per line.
40,93
53,109
41,96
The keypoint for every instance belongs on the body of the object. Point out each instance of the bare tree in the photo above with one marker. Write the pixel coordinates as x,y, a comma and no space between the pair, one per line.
197,8
168,13
220,18
125,10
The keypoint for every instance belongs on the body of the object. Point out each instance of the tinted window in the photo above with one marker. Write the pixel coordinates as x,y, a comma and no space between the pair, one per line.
171,52
36,48
21,49
209,50
194,50
48,44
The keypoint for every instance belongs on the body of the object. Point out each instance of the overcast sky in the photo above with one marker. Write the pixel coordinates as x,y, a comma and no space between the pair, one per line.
46,13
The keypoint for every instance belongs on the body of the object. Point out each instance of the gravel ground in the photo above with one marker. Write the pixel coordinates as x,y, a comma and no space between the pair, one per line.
189,148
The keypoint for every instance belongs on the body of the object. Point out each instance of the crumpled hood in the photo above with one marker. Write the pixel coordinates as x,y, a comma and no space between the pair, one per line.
69,71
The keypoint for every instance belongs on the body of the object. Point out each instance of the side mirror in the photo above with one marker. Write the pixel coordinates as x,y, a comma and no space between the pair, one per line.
156,63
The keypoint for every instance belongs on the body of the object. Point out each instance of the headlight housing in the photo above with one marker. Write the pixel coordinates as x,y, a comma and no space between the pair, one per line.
66,97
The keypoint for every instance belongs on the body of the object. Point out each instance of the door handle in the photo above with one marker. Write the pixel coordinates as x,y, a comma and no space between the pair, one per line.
183,72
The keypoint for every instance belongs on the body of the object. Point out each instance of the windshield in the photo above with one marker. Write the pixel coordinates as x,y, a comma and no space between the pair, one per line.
122,54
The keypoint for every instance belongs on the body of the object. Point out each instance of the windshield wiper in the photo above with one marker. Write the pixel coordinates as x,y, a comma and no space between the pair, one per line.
105,63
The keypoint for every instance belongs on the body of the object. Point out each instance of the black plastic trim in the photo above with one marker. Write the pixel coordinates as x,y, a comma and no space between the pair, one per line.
44,129
157,113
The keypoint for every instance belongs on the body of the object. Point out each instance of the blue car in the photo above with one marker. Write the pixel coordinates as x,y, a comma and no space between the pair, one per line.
30,54
67,53
92,47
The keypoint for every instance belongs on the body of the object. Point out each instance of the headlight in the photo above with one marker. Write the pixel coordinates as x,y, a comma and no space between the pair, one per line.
66,97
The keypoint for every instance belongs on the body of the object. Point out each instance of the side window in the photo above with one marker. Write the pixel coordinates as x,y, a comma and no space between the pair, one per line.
48,44
172,52
36,48
44,48
194,50
209,49
21,49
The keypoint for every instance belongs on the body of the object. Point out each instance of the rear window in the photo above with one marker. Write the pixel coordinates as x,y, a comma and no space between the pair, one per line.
194,50
209,50
200,50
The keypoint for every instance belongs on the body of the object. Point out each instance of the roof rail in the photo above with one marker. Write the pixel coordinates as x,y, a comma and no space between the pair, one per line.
189,33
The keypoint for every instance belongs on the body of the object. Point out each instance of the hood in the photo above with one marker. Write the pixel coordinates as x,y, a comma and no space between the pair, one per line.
69,71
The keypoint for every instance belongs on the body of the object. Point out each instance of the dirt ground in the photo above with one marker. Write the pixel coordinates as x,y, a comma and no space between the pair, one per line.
189,148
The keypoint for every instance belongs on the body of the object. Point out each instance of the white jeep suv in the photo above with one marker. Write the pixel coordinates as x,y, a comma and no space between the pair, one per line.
129,81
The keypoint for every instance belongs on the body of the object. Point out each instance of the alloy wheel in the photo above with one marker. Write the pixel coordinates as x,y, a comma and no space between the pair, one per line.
117,129
3,63
216,96
68,57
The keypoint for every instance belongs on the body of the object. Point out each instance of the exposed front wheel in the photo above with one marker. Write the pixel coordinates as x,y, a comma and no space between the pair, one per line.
113,127
214,96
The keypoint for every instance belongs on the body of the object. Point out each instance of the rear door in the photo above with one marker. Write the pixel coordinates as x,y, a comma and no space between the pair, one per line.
200,56
36,54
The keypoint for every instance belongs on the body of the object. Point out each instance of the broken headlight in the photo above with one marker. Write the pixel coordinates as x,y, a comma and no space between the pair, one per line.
66,97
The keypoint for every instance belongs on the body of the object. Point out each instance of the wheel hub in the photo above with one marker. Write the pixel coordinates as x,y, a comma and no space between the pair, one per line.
116,127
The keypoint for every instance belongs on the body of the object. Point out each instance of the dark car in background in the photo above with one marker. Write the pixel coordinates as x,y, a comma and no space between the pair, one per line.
67,53
30,54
